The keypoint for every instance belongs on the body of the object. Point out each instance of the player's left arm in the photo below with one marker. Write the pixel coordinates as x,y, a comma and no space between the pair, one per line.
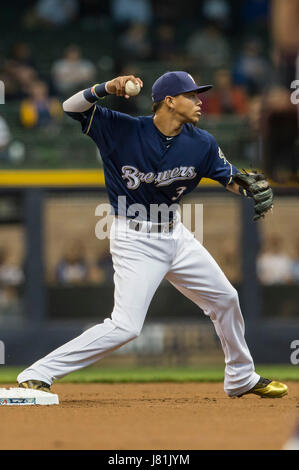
253,185
233,188
256,186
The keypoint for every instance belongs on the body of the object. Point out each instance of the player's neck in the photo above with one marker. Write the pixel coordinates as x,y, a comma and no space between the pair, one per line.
168,126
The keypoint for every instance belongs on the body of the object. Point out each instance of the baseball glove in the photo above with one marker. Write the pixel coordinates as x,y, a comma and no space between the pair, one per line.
257,187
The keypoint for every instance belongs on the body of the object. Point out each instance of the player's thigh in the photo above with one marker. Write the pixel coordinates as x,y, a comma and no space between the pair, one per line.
138,272
196,274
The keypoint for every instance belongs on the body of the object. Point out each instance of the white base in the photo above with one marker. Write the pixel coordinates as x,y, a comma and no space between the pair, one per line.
24,396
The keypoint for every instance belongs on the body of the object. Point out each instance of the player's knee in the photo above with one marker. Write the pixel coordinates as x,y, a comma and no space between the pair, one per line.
128,332
133,332
230,297
125,326
233,295
125,336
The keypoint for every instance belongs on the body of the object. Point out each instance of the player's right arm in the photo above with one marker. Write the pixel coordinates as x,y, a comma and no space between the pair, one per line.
105,126
85,99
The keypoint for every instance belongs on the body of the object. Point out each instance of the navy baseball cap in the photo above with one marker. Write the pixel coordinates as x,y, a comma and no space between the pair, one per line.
175,83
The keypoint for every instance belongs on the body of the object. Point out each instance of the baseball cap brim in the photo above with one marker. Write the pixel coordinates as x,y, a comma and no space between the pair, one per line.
200,89
204,88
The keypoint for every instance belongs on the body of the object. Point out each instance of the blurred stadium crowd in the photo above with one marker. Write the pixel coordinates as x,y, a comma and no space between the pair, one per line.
57,47
205,39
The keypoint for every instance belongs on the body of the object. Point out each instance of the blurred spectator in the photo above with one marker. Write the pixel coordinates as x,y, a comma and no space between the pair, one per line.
251,69
11,308
40,110
18,79
22,54
131,11
5,138
165,43
225,98
7,77
135,43
274,265
217,11
11,276
10,273
73,267
209,47
25,76
72,72
56,12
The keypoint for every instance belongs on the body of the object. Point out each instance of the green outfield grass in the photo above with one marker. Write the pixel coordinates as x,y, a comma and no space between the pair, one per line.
157,374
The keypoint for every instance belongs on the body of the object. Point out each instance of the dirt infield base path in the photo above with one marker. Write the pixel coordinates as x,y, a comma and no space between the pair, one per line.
150,416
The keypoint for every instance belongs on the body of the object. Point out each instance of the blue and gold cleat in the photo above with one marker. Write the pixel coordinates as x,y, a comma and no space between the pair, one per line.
36,385
266,388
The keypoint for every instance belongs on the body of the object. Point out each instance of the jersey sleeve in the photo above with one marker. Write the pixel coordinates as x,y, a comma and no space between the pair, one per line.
103,125
218,167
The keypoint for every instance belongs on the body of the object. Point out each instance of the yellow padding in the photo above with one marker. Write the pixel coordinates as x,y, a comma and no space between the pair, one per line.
52,178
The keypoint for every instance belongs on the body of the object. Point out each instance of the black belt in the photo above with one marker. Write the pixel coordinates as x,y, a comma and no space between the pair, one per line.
155,228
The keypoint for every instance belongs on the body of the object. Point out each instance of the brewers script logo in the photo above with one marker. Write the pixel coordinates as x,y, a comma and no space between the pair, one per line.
163,178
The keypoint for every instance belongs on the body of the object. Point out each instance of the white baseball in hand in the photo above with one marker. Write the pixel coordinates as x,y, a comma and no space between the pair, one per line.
131,88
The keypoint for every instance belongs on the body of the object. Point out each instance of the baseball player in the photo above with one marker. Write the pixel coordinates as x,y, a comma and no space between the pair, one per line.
149,161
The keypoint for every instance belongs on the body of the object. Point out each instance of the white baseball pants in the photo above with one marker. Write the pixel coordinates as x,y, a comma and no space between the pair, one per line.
141,260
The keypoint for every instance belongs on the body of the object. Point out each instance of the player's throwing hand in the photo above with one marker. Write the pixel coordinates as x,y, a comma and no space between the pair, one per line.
118,84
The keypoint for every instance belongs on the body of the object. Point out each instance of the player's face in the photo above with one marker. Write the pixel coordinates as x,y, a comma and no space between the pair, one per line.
188,107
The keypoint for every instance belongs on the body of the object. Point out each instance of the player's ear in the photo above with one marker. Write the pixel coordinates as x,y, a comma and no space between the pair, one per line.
169,100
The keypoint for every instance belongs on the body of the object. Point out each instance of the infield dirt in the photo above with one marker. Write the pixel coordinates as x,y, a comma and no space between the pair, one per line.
150,416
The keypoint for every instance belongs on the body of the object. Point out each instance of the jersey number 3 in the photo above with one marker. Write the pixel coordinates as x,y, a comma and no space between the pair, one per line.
179,191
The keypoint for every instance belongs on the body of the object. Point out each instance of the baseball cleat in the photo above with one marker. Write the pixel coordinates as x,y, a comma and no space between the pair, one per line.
266,388
36,385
